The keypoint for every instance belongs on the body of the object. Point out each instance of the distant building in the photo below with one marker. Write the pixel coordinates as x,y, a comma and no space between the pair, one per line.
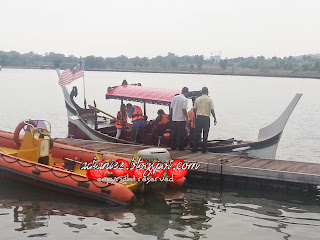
216,58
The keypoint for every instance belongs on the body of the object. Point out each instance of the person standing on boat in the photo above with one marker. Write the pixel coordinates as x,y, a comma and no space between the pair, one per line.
203,107
121,120
179,106
135,113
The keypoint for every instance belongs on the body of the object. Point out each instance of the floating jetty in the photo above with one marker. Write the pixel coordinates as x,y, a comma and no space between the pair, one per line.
225,168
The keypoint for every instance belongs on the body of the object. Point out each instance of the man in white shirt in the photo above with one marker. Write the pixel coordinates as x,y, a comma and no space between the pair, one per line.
179,106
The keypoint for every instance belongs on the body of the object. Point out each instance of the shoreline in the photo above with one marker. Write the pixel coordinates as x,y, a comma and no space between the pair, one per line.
248,74
203,73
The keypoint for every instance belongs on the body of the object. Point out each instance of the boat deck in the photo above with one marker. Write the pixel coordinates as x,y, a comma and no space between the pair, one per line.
222,166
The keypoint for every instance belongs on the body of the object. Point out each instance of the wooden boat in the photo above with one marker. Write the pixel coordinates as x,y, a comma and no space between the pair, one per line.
30,159
88,124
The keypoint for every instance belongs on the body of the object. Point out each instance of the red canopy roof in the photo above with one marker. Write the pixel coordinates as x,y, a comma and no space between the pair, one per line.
142,94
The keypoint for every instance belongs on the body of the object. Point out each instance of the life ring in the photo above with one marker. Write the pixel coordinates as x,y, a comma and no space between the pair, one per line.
16,135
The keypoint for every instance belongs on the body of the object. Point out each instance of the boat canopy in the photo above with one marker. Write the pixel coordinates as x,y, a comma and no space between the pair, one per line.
142,94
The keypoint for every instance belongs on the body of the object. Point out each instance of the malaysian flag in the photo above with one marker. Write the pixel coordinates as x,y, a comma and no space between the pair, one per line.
71,74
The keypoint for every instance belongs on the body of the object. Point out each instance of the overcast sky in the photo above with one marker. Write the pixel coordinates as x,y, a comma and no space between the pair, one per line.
110,28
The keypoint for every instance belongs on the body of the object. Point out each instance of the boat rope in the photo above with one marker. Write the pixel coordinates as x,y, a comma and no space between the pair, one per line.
5,137
82,150
66,174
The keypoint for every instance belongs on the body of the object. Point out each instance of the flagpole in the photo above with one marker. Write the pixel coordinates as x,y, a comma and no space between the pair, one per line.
84,87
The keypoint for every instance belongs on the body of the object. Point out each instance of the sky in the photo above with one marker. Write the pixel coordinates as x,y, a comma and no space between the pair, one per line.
147,28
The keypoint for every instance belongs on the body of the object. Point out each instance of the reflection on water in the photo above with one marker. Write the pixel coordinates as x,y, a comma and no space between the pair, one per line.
190,214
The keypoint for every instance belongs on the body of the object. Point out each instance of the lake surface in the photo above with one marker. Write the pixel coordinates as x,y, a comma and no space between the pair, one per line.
243,105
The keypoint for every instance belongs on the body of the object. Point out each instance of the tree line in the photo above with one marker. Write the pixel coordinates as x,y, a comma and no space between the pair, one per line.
170,62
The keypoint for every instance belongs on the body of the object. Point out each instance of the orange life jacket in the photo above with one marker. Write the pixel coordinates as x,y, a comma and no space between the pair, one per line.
137,114
120,121
164,119
192,118
167,132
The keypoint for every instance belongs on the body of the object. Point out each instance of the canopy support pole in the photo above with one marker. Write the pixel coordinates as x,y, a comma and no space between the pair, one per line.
122,113
144,111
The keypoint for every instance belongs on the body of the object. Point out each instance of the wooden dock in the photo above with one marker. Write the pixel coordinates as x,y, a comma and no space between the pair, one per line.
226,168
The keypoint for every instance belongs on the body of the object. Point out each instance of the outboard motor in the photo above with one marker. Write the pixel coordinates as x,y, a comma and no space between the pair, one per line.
151,154
161,155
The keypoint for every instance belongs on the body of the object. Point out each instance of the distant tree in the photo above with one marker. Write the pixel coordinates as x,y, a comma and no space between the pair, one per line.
223,64
186,60
316,66
199,61
274,58
5,61
174,62
290,58
122,61
71,58
159,61
171,55
305,67
296,64
306,58
57,62
90,62
52,58
110,62
135,61
144,62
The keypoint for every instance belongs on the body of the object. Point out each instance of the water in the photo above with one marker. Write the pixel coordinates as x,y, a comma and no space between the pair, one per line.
196,213
243,106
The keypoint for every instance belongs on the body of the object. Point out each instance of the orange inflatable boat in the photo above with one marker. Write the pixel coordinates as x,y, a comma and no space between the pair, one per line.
33,159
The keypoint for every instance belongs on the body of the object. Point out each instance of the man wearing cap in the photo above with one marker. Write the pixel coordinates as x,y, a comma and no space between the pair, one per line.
203,107
179,106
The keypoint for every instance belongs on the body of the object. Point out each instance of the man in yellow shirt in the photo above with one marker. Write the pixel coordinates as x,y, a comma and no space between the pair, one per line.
203,107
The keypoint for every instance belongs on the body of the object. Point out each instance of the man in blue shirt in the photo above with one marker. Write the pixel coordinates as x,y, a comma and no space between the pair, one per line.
135,113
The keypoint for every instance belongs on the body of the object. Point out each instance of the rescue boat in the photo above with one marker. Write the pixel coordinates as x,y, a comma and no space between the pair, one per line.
33,158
